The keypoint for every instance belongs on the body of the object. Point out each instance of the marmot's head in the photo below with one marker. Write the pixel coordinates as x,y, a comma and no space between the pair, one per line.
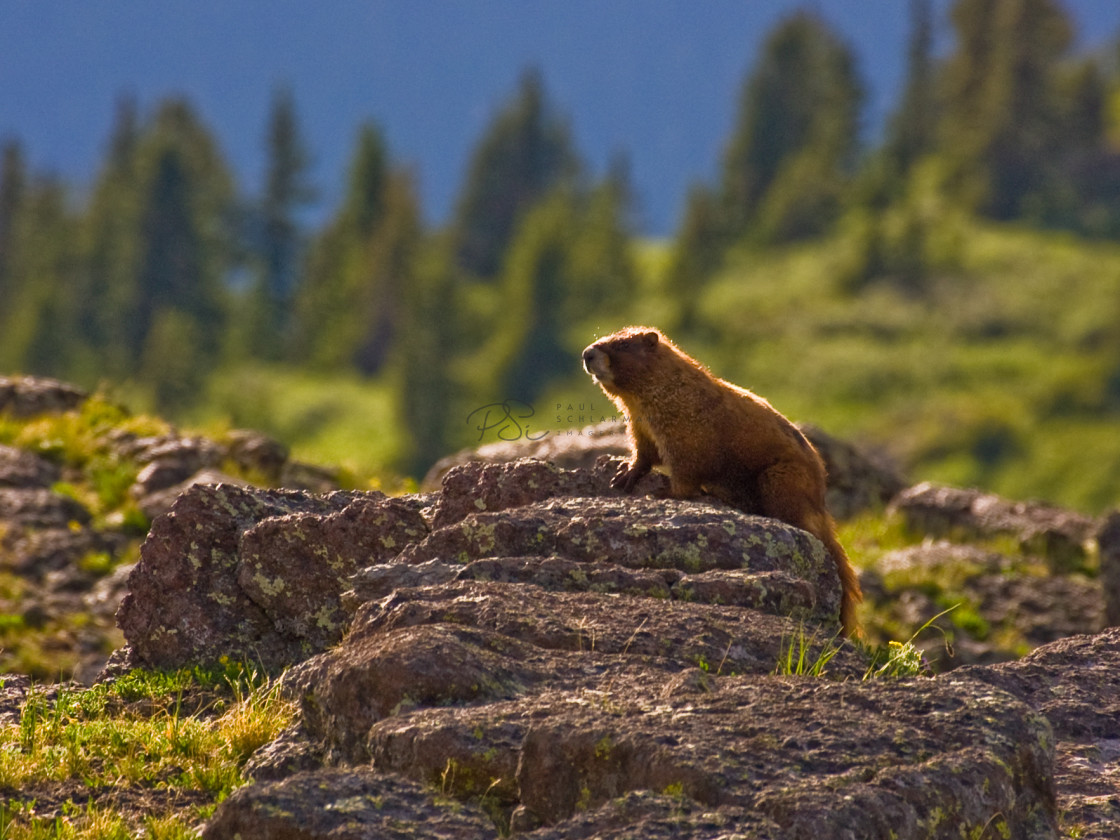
620,361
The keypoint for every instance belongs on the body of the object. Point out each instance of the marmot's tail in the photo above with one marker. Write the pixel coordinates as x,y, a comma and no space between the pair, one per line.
850,593
822,526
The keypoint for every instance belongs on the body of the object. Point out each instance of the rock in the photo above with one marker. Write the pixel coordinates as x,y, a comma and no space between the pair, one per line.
577,449
785,568
477,487
1061,536
1000,605
261,573
27,396
39,508
472,641
296,566
294,751
1108,541
244,589
857,481
170,460
552,715
1075,683
19,468
300,476
159,502
34,554
344,804
558,659
256,453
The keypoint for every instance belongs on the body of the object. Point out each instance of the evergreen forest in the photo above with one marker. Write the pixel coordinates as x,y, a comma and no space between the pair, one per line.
948,292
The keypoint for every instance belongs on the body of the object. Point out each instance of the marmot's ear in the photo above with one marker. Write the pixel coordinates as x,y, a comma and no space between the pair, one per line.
651,338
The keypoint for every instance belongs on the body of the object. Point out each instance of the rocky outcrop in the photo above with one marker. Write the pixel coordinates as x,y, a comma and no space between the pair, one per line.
857,480
1061,536
262,574
562,742
1075,684
27,396
346,805
565,661
1108,540
257,574
998,606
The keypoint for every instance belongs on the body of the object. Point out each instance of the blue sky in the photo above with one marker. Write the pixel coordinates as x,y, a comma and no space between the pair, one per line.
655,79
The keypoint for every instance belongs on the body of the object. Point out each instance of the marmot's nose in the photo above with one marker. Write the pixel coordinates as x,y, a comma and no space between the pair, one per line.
588,355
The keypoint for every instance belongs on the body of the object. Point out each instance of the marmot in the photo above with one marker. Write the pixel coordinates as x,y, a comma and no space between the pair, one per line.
715,437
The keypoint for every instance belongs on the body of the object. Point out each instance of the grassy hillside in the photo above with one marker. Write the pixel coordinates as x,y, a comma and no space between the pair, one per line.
1003,372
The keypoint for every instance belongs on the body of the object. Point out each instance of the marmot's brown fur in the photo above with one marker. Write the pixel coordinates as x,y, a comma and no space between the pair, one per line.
715,437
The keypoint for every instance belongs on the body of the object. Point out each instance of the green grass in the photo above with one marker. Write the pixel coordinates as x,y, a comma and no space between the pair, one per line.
1004,373
157,740
335,420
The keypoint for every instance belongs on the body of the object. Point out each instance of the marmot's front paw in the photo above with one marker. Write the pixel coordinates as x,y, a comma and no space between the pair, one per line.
626,477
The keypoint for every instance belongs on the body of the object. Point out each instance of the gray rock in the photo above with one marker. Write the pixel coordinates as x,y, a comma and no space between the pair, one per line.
20,468
857,480
1061,536
40,508
28,396
194,552
338,804
1108,541
257,453
258,574
1075,684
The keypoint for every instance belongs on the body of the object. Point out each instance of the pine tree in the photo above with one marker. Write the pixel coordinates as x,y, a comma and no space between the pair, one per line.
278,240
697,252
431,396
525,153
13,183
38,319
534,282
390,270
332,323
569,267
1001,120
110,250
602,276
182,255
796,136
912,128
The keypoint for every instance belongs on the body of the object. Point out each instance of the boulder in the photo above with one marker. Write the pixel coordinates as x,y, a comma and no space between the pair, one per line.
157,502
39,508
857,480
186,604
27,396
20,468
257,454
333,804
569,449
1075,684
1108,541
1061,536
594,716
999,605
296,566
